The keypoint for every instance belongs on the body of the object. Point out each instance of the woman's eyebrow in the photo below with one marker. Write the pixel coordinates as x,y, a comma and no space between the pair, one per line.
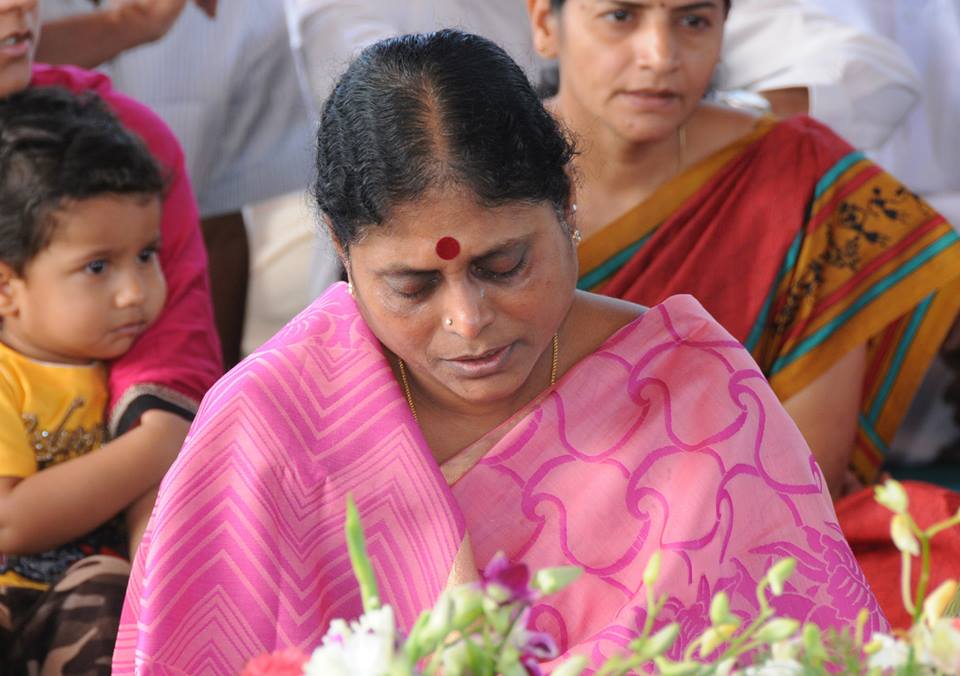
403,270
645,4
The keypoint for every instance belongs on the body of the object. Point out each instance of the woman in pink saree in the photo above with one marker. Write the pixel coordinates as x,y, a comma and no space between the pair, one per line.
474,401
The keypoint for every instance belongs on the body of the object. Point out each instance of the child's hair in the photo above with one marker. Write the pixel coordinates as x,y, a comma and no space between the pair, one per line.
57,146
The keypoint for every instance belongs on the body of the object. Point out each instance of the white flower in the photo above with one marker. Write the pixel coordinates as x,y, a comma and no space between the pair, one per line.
892,496
903,536
887,652
786,651
364,648
939,646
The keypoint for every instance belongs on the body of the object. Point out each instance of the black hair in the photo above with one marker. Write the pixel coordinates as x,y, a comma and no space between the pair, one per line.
57,146
557,4
435,109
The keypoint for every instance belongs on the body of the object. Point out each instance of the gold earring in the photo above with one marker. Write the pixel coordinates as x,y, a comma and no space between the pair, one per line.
576,237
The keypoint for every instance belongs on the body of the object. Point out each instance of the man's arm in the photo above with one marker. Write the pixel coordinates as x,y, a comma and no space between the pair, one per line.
804,60
88,40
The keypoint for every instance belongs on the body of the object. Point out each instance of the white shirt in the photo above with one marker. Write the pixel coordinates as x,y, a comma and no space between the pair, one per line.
326,34
924,151
229,91
861,84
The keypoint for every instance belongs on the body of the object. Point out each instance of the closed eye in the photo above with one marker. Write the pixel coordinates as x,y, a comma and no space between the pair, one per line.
416,288
491,272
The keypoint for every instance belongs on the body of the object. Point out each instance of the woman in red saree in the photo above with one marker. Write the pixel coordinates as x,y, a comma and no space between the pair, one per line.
472,400
840,281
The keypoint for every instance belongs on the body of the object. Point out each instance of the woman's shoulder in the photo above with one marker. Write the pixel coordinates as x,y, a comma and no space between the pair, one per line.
595,319
714,127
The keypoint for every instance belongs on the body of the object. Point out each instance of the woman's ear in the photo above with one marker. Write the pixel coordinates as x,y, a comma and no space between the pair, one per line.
544,24
9,280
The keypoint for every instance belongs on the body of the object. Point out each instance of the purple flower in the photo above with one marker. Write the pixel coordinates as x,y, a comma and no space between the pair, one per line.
505,582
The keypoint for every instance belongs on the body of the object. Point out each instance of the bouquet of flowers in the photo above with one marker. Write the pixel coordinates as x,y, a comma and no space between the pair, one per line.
481,629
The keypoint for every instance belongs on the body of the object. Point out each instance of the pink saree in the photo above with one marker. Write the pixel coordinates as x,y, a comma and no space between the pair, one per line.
667,437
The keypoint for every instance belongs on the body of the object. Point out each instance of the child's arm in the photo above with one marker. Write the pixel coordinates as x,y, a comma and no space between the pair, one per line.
137,516
58,504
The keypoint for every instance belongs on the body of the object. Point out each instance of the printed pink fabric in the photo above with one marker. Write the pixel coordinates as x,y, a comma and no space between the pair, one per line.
178,358
667,437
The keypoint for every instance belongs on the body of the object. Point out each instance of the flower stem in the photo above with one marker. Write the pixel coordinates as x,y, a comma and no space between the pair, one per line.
924,576
905,583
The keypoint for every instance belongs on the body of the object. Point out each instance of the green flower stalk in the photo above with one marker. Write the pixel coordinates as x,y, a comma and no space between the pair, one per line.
357,546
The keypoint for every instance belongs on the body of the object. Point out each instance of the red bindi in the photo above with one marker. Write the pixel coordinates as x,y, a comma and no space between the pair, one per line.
448,248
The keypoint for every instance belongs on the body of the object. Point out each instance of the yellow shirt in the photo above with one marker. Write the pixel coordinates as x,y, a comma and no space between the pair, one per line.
49,413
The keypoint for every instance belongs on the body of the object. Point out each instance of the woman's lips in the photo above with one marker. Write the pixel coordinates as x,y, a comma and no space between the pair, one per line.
651,99
483,365
16,46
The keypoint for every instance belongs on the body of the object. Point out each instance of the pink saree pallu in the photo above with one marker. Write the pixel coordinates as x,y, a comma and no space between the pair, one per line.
666,438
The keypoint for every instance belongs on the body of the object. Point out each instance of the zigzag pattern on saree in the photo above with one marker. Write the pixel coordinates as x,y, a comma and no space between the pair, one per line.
259,561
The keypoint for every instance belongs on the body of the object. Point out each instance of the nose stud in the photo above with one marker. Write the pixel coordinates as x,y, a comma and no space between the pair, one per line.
448,321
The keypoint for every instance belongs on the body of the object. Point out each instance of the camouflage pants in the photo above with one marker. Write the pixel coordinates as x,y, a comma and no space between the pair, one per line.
68,629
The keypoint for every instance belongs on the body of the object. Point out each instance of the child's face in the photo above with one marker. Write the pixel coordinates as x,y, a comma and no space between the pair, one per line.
95,288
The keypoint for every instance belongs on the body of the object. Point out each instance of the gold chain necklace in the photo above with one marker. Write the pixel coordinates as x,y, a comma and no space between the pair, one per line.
554,367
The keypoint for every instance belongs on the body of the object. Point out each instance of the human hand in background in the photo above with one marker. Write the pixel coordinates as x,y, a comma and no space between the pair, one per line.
148,20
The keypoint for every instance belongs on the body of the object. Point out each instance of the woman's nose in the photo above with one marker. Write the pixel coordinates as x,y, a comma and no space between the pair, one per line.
467,310
655,46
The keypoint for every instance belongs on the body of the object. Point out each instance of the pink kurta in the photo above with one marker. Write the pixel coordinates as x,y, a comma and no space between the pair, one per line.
667,437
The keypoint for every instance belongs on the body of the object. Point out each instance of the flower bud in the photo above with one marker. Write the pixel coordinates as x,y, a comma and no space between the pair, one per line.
652,571
903,537
668,668
777,629
552,580
714,637
892,496
497,616
779,573
719,608
660,642
438,625
937,602
467,605
726,667
571,667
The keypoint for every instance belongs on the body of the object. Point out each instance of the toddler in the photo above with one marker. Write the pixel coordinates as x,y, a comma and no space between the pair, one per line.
80,214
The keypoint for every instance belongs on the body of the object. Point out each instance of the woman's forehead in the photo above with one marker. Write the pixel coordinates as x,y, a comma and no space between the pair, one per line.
448,228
